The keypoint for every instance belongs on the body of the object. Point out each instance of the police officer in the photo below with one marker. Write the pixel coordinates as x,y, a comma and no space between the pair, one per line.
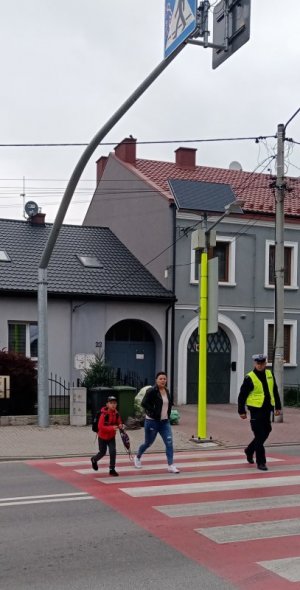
260,393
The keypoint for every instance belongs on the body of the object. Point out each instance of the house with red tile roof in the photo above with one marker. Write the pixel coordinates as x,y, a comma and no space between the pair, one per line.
133,198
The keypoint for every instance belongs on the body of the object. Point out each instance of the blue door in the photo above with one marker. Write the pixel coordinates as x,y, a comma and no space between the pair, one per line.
130,350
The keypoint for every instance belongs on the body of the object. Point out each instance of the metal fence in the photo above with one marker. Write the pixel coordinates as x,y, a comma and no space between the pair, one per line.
59,395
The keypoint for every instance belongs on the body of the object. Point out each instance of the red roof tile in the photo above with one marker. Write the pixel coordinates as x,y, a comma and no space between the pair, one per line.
256,190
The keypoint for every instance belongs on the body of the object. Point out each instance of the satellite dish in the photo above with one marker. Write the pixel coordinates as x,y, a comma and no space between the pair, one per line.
235,166
31,208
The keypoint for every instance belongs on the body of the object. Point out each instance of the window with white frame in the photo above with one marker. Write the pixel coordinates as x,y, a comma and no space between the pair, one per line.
225,251
23,338
289,337
290,264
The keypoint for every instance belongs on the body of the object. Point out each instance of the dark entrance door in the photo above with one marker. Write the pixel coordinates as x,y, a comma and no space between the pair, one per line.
218,368
130,349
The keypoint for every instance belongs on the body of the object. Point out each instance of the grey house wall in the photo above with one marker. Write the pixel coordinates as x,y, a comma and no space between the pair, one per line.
243,307
139,216
76,326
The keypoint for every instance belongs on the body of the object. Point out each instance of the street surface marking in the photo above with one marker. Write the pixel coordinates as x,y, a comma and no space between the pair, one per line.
160,466
44,499
217,486
252,531
139,476
201,455
230,506
288,568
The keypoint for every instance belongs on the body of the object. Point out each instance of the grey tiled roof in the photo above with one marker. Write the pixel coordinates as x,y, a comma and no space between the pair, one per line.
122,275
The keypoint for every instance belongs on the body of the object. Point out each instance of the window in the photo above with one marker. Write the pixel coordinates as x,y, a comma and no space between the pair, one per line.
290,264
4,256
225,251
90,261
289,337
23,338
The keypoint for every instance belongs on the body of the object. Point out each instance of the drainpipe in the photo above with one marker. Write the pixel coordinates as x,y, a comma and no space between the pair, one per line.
172,343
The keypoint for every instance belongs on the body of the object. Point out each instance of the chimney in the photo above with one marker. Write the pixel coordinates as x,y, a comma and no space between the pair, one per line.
126,150
186,157
101,163
38,218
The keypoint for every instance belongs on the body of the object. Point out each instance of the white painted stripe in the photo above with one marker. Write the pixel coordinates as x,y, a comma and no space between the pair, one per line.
203,455
252,531
45,501
160,466
139,476
229,506
217,486
42,496
287,568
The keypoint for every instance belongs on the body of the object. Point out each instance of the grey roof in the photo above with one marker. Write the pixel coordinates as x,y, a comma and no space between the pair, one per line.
190,195
122,275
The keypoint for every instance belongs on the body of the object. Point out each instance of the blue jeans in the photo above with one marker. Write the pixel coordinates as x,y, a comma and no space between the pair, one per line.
152,429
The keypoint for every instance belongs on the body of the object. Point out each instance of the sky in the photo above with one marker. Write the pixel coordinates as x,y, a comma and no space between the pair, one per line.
68,65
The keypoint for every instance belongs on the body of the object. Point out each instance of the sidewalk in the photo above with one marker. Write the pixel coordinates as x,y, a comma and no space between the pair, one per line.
224,427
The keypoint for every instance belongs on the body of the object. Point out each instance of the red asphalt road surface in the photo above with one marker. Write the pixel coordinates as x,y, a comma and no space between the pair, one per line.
235,562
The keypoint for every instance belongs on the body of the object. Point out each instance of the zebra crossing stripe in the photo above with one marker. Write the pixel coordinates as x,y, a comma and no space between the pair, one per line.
216,486
252,531
229,506
287,568
201,455
163,466
139,476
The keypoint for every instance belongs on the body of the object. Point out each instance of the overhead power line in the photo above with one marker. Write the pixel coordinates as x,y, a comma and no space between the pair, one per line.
256,138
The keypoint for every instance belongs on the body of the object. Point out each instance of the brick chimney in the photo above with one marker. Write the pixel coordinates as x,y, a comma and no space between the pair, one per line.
186,157
126,150
101,163
37,219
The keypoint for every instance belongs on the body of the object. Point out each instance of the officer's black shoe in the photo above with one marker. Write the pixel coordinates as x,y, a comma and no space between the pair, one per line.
113,473
249,457
262,467
94,464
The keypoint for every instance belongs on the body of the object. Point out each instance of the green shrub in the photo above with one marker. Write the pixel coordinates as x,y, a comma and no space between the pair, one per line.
99,374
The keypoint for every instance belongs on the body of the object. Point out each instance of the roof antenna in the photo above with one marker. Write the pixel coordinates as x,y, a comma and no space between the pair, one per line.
23,194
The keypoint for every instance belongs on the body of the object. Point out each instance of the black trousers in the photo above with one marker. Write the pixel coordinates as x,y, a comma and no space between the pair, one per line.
260,422
103,444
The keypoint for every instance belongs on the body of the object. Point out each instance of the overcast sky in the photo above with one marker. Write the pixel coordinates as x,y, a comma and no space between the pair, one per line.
67,66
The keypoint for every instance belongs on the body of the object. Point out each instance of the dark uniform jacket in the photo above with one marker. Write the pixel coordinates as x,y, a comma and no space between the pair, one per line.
248,386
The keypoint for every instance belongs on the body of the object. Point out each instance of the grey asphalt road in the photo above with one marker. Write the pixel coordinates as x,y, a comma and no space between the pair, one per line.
66,543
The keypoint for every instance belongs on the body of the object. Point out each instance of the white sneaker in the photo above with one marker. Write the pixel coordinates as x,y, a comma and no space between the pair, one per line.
173,469
137,463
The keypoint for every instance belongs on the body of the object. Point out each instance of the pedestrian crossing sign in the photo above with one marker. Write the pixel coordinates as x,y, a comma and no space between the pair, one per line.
180,22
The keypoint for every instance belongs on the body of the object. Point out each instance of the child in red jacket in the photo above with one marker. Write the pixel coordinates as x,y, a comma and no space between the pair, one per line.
109,422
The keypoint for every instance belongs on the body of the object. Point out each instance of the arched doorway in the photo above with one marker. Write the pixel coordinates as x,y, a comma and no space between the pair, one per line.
218,368
130,349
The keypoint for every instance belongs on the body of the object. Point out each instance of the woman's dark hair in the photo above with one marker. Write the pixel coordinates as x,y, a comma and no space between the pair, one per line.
160,373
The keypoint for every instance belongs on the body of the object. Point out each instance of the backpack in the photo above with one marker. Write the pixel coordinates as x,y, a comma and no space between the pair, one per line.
95,420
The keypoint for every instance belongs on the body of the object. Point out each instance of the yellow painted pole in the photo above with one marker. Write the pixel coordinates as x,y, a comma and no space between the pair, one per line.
202,373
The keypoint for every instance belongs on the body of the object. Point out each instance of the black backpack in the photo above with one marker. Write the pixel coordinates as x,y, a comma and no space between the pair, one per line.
95,420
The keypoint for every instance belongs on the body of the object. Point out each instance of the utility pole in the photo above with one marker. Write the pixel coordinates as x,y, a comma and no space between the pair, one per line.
279,266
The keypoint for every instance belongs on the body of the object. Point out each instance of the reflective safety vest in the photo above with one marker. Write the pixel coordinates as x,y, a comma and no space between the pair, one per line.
256,396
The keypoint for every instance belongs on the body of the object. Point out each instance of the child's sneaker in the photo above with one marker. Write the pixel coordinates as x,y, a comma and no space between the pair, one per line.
137,463
173,469
94,464
113,473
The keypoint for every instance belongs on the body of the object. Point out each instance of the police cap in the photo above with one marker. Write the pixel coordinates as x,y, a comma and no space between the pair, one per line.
259,358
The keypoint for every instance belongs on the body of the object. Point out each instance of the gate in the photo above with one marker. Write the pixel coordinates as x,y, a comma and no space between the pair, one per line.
218,368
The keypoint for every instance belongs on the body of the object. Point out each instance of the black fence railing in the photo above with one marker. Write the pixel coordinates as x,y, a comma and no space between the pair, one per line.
59,395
